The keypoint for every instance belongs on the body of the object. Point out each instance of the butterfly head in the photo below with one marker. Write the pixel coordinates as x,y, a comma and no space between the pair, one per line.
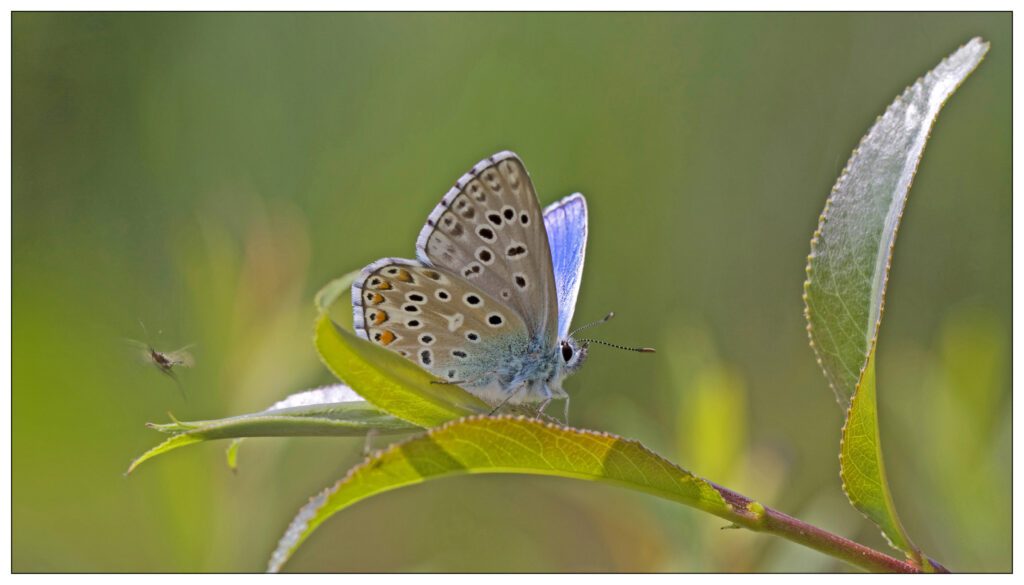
573,354
574,351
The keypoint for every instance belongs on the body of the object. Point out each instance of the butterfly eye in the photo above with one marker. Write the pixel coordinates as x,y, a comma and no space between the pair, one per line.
566,352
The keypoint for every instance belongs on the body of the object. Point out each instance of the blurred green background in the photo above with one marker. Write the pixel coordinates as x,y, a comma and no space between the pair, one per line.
207,173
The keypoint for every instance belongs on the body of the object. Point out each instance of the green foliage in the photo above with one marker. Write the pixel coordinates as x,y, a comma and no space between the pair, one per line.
848,269
861,468
844,294
713,420
389,381
502,444
395,391
384,378
207,172
232,453
314,413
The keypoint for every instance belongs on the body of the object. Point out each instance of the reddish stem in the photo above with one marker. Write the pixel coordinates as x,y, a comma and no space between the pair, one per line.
759,518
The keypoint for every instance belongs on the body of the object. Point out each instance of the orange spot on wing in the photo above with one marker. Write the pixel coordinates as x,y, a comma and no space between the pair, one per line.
375,298
386,337
378,317
403,275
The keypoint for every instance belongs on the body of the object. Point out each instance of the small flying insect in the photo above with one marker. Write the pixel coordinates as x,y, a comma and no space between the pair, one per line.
165,361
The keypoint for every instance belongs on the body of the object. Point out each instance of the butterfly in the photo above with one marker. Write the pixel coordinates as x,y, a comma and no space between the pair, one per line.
488,301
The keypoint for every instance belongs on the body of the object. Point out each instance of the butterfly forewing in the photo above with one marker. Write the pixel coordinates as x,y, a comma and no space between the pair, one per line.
566,223
489,231
432,317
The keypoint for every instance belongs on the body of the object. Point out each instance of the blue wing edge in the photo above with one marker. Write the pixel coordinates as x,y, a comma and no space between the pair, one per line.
565,221
566,224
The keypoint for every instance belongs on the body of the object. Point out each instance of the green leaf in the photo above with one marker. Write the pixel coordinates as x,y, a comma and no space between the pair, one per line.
385,384
232,453
330,411
504,444
851,250
168,445
384,378
848,269
861,467
326,298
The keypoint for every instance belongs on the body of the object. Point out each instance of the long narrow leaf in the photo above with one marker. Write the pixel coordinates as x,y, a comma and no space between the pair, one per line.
851,250
384,378
331,411
504,445
860,464
848,269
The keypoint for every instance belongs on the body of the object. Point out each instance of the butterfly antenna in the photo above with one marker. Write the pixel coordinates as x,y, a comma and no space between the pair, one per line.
637,349
606,319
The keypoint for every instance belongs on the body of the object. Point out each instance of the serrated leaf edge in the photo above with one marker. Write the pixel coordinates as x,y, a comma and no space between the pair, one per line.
296,532
823,218
915,555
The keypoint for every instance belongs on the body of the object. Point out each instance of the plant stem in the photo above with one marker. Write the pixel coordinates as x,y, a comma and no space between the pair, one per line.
754,516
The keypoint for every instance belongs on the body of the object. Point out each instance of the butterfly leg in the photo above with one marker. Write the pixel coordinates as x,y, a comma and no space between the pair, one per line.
549,396
509,397
556,394
460,382
543,405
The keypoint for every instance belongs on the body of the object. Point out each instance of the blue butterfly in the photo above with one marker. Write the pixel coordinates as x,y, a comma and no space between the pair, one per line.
488,302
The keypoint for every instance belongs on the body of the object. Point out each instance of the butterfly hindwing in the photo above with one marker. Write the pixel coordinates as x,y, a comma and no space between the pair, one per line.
489,231
431,317
489,302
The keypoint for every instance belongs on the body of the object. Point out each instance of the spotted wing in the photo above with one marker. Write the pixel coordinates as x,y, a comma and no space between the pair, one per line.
432,317
489,230
566,224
